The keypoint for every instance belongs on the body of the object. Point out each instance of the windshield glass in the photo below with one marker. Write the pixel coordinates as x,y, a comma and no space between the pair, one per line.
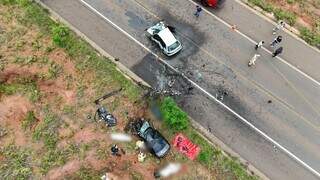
174,46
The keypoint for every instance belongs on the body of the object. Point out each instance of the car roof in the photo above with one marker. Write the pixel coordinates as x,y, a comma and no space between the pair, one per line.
167,36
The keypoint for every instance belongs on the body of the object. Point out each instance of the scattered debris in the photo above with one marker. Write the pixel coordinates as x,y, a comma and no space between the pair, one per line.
102,112
97,101
221,94
168,170
120,137
234,27
106,117
198,75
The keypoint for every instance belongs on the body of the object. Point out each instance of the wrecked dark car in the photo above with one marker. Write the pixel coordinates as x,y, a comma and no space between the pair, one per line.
155,142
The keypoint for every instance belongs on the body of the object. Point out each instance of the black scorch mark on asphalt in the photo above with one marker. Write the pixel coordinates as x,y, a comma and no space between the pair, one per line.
158,75
186,33
135,21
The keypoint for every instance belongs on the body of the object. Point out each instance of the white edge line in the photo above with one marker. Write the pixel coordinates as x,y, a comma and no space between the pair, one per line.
207,93
247,37
271,20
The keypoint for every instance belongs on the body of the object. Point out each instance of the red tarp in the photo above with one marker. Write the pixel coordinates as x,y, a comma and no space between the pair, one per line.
185,146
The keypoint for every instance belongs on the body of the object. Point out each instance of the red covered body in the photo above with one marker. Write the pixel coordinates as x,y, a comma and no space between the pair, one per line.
185,146
213,3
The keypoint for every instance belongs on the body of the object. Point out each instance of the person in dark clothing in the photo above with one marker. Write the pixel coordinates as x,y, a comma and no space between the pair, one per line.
276,41
115,150
277,52
198,10
258,45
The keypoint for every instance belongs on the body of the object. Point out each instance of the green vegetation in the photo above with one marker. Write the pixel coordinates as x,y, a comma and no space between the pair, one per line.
288,16
214,159
209,156
291,1
136,176
87,61
54,70
310,37
15,164
50,159
69,110
173,116
25,86
60,35
86,58
58,157
29,121
25,60
279,14
86,174
47,131
2,62
263,5
102,153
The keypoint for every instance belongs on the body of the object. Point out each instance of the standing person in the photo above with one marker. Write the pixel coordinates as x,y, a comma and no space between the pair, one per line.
276,41
258,45
253,60
198,10
277,52
279,26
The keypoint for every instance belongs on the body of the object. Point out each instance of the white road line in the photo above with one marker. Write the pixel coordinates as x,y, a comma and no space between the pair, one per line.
207,93
253,41
287,30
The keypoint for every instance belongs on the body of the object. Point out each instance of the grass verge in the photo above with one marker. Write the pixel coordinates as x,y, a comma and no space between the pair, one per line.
210,156
279,14
85,57
23,86
87,60
16,164
312,37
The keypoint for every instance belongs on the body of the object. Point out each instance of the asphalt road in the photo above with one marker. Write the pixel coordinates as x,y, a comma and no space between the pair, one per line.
215,57
295,52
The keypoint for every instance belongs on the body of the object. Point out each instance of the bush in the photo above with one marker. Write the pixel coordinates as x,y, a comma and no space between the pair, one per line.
310,37
29,120
262,4
15,164
8,2
279,14
50,159
47,131
173,116
288,16
60,35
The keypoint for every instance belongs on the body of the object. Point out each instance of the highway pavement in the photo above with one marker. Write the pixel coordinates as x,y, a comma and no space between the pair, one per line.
296,52
214,60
